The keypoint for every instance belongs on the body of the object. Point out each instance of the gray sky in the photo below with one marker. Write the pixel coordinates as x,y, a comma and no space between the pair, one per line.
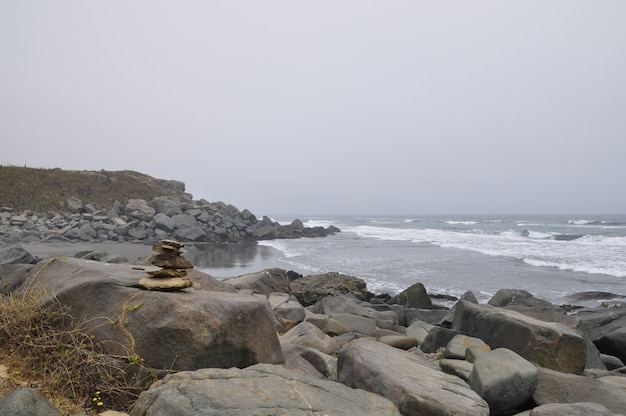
328,107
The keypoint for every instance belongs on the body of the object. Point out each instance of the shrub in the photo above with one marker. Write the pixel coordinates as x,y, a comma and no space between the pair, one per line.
45,348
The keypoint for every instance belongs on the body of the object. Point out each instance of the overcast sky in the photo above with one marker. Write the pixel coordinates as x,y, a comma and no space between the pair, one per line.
328,107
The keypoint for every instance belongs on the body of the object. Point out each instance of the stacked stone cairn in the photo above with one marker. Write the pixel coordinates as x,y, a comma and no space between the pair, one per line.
173,272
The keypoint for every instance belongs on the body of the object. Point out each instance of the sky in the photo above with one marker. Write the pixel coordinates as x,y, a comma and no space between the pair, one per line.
328,107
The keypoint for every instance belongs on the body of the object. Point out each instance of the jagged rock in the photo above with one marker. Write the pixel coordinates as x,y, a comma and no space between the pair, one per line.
260,389
26,402
414,296
74,205
181,330
355,323
556,387
139,208
311,289
415,388
548,344
164,222
13,275
504,379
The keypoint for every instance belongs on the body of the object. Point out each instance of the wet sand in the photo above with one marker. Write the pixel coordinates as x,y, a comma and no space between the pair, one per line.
218,260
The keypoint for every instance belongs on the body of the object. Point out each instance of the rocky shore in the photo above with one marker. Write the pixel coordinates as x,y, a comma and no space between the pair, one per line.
275,342
148,221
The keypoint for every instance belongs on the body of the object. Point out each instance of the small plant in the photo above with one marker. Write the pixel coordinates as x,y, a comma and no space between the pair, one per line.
45,348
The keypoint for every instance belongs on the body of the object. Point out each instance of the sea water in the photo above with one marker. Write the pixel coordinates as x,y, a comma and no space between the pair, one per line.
552,257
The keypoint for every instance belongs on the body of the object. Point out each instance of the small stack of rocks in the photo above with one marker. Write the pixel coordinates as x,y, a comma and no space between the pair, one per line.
173,272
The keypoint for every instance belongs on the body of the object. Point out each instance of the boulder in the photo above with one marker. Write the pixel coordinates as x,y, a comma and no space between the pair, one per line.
327,324
164,222
257,390
26,402
414,296
415,388
504,379
548,344
356,323
459,368
419,330
74,205
139,209
311,289
603,319
165,205
457,347
13,275
573,409
265,282
437,337
310,361
308,335
182,330
346,304
193,234
16,255
103,256
556,387
614,343
287,310
399,341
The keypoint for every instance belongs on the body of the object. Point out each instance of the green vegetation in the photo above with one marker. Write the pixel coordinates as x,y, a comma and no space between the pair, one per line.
46,190
41,349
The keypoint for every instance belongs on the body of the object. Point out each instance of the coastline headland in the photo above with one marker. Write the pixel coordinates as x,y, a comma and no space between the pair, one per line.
123,206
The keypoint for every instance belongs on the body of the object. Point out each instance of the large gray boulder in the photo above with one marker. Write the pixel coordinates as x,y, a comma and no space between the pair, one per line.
313,288
548,344
182,330
26,402
401,376
257,390
556,387
504,379
265,282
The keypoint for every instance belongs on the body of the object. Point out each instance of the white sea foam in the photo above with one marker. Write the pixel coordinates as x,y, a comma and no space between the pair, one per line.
599,254
468,222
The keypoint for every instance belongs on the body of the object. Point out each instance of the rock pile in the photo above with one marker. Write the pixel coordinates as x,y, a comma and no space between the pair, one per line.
173,272
145,221
261,350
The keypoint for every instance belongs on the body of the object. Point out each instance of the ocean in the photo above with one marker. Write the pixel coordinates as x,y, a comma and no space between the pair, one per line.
552,257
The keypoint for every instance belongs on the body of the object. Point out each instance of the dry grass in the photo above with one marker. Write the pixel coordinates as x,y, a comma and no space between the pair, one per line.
43,349
46,190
